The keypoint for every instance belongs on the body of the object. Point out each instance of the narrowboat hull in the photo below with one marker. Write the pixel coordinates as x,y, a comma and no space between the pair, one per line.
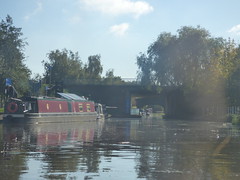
50,117
47,109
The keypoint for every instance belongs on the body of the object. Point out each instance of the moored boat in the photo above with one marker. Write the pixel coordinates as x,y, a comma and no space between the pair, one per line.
66,105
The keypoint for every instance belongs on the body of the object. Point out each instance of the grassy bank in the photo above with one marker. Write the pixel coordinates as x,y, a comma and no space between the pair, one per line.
157,115
234,119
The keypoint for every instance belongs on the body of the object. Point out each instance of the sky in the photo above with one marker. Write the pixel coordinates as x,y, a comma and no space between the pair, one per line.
118,30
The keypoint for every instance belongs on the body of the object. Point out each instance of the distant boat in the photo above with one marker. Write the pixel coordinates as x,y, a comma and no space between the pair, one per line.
66,105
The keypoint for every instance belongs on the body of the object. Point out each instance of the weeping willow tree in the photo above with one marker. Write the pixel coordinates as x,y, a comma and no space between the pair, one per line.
193,61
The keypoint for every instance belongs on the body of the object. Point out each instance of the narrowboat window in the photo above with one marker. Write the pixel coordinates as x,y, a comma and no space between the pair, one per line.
80,107
88,108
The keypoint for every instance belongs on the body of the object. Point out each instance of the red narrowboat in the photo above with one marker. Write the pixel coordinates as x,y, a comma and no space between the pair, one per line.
67,105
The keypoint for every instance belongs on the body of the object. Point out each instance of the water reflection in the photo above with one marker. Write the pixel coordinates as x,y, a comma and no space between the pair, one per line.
49,147
120,148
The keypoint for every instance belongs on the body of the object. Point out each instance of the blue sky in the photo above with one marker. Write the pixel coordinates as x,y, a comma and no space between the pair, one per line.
118,30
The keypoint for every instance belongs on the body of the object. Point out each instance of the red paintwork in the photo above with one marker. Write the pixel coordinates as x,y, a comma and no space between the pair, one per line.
59,138
51,138
86,107
48,106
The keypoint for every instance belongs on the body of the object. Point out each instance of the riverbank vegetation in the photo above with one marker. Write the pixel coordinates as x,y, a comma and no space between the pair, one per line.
203,70
12,57
234,119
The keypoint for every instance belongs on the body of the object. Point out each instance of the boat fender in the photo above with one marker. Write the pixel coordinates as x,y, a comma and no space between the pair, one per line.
12,107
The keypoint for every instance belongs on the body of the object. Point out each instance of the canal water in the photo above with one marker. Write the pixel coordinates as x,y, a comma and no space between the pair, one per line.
120,149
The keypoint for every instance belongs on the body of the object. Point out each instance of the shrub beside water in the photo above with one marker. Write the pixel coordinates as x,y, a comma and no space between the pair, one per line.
235,119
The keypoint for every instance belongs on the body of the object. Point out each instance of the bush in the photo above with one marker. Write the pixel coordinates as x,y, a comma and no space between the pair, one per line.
235,119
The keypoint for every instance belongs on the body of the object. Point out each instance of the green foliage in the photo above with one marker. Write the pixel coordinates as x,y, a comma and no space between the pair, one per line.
201,66
62,66
161,53
111,79
187,59
234,119
233,83
157,108
12,56
66,66
93,69
145,66
191,59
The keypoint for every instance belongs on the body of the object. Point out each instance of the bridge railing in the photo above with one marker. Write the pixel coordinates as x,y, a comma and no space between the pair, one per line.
122,81
233,110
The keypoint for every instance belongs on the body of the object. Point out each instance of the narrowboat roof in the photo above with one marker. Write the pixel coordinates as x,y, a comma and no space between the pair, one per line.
71,96
66,96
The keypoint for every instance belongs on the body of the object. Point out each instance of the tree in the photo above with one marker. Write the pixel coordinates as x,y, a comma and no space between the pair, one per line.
93,69
36,84
233,83
112,79
195,62
187,59
62,66
12,56
145,73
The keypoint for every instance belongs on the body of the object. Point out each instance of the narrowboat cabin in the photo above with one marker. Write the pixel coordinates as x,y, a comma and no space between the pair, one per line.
66,105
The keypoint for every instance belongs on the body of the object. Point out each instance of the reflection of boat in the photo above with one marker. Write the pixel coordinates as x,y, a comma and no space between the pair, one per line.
42,136
64,106
50,134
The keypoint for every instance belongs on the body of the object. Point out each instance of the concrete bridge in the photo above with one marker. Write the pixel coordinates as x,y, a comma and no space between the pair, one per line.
128,98
125,100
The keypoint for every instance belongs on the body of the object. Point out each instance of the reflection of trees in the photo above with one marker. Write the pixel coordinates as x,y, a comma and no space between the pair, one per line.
63,148
61,162
90,158
173,149
144,167
69,160
12,160
117,131
163,149
225,160
152,156
12,166
169,151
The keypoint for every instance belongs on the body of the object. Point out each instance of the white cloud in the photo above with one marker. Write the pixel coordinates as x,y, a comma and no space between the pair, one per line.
119,7
119,29
235,29
35,11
